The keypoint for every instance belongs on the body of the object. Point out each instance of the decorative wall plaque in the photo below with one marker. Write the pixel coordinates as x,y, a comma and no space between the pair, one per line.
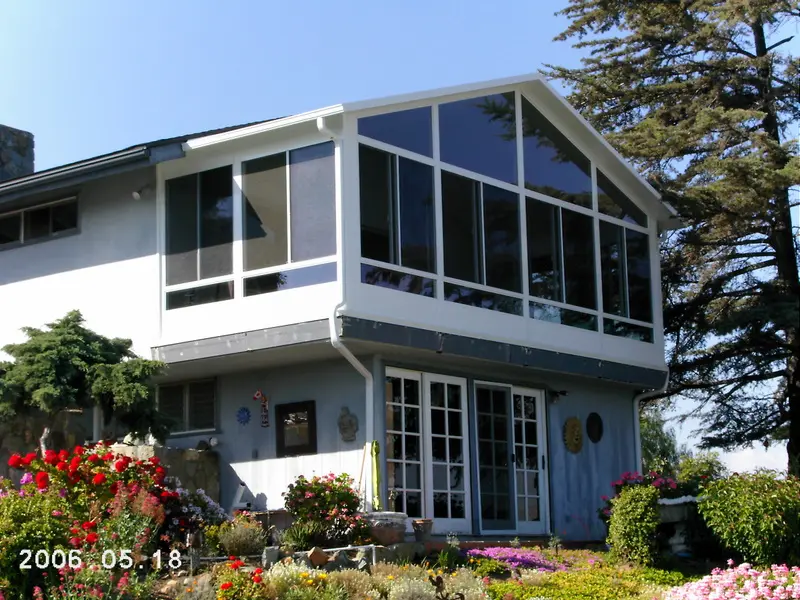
264,411
573,434
594,427
348,425
243,415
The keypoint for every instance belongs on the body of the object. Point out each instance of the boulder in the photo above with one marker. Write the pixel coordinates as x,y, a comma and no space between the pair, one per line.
317,557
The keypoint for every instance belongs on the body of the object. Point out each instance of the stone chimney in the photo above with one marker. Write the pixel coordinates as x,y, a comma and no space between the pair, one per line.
16,153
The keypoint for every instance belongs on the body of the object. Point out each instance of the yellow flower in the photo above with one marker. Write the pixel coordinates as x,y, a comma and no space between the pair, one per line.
303,574
310,581
323,575
430,571
390,577
439,572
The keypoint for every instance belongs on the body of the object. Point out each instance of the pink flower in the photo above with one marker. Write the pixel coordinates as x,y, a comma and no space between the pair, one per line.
604,498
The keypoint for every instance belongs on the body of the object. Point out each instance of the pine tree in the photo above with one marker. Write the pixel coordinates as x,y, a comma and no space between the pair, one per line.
699,95
70,367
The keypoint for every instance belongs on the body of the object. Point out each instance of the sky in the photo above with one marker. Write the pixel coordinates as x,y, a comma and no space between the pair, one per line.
89,77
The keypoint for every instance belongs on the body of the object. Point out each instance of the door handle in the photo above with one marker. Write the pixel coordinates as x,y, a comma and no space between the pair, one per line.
514,461
544,464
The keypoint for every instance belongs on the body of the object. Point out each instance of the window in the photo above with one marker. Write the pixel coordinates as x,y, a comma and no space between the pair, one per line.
290,279
625,270
39,223
408,129
480,134
397,218
481,233
265,212
297,429
200,226
191,406
611,201
553,165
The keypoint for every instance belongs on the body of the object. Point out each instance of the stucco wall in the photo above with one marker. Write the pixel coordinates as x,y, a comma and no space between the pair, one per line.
247,452
108,270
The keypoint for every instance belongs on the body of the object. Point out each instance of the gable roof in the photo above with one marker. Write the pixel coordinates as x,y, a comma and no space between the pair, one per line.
535,85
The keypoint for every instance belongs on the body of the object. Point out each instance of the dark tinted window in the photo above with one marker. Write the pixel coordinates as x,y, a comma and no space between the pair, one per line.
170,404
10,229
205,294
563,316
265,218
479,134
202,405
291,279
501,238
409,129
639,292
64,216
579,273
544,249
395,280
378,212
628,330
182,229
37,223
482,299
612,241
216,222
611,201
417,232
463,243
553,165
312,186
296,429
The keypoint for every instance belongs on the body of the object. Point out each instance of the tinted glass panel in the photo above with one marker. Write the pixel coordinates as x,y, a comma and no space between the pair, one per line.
182,229
481,299
395,280
501,238
200,295
562,316
378,213
216,222
417,233
479,134
201,405
265,219
628,330
639,297
64,216
287,280
544,249
463,243
409,129
553,166
37,223
579,273
10,229
312,186
170,404
612,263
611,201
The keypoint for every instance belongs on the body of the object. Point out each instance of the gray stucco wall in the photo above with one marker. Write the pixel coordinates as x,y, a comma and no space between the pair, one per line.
247,452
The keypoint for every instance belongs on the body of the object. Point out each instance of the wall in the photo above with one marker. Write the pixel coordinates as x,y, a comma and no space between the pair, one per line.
109,270
16,153
247,452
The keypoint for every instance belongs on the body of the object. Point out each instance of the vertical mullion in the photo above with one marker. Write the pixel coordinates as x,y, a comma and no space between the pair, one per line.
396,209
625,291
198,230
22,227
598,265
481,236
437,205
521,210
561,257
238,229
186,407
288,206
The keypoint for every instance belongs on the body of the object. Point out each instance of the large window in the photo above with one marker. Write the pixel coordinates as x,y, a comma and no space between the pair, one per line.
288,218
296,429
190,406
408,129
40,223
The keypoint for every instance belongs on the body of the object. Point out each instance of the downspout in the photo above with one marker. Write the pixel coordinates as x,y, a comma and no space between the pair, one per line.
337,343
637,432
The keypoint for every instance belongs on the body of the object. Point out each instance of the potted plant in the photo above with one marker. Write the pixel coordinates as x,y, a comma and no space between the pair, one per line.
422,529
387,528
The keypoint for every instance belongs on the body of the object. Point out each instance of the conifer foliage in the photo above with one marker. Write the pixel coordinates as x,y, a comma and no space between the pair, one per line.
700,96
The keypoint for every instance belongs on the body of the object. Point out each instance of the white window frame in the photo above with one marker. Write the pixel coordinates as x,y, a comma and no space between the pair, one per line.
185,385
45,238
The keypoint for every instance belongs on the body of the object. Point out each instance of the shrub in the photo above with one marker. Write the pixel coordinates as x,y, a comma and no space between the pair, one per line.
306,535
756,515
243,536
666,486
488,567
234,582
187,512
330,501
465,583
741,582
634,521
357,584
411,589
696,471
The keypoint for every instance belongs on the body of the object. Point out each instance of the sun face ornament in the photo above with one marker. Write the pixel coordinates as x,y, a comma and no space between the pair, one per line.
573,435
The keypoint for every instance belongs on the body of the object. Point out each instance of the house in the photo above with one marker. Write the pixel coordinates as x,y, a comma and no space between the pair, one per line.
468,276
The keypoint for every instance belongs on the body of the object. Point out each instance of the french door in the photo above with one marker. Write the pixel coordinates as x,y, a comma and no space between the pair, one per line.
511,459
427,448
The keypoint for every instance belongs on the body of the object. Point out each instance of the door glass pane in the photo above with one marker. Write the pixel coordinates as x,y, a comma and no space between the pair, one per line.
526,451
437,422
457,506
440,479
265,218
414,504
216,222
312,187
493,459
441,505
437,395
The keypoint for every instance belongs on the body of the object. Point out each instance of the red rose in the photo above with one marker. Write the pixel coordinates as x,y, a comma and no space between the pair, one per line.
42,480
154,460
165,494
87,525
75,461
75,541
107,456
74,530
99,479
226,586
91,538
63,455
120,466
15,462
160,471
29,458
50,457
62,466
79,450
108,443
115,487
257,579
93,458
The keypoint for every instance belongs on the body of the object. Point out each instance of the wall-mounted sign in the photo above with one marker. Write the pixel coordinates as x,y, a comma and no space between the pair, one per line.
264,411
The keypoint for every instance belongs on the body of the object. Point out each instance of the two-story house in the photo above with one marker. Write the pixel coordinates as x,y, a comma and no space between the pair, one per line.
468,276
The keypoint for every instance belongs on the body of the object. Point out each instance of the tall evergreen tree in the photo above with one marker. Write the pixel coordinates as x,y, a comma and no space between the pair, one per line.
699,95
70,367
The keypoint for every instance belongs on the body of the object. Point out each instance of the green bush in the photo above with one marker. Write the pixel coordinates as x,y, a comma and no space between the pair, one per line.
306,535
634,521
243,536
756,515
488,567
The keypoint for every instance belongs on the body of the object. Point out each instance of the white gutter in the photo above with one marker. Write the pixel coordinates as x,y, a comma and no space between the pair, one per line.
637,432
337,343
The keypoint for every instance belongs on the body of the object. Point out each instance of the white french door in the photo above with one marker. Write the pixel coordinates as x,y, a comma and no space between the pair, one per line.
427,448
530,455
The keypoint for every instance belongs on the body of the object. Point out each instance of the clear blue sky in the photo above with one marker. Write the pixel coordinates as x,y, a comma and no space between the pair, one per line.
93,76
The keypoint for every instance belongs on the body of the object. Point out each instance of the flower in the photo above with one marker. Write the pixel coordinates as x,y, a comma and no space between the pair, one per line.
226,586
99,479
257,579
120,466
15,462
26,479
42,480
91,537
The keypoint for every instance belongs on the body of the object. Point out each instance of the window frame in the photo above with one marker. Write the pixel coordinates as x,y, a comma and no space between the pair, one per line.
73,199
281,411
185,387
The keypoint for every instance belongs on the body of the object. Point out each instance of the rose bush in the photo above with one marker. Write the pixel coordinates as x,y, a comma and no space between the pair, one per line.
667,487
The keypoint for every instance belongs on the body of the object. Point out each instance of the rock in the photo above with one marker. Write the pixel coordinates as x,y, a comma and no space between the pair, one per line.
407,551
317,557
363,565
383,554
339,562
301,558
270,556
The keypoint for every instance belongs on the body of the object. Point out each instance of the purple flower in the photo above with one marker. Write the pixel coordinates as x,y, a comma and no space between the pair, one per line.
27,478
62,492
518,558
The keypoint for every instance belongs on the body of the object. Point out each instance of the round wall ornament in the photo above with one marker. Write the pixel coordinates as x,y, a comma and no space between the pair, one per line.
243,415
594,427
573,434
